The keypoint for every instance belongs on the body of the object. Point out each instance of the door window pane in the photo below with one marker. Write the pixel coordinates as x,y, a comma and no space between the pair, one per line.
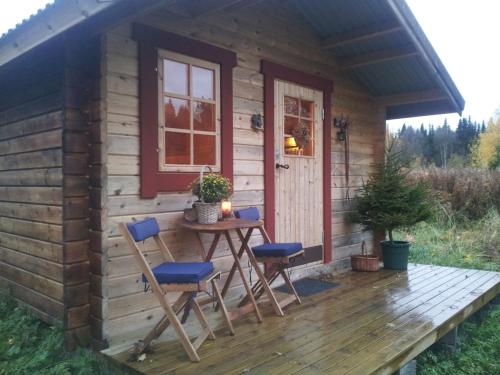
204,149
175,77
203,116
176,113
306,108
177,148
290,124
203,83
291,106
304,137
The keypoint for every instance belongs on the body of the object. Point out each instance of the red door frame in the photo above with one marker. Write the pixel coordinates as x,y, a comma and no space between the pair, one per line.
273,71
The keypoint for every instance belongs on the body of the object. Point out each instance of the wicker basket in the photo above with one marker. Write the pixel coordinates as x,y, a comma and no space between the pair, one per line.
365,262
208,213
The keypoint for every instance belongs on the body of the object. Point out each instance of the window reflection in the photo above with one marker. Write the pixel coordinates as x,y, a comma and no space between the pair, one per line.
177,148
203,83
176,113
204,149
203,116
175,78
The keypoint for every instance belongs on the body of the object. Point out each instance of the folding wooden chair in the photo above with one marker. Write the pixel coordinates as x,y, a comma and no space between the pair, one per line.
171,276
276,257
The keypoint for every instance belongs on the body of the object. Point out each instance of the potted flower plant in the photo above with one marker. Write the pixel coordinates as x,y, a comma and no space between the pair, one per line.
388,202
210,189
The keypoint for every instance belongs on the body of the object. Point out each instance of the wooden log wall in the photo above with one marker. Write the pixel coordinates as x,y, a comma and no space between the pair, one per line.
255,33
31,181
44,235
82,78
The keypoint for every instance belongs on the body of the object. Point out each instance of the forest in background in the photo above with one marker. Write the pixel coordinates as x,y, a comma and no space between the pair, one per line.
469,144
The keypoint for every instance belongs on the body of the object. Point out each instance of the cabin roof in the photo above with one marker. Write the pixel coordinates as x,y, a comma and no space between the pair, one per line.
377,42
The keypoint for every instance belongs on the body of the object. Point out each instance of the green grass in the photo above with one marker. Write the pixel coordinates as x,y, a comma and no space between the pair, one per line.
29,346
448,242
466,244
478,354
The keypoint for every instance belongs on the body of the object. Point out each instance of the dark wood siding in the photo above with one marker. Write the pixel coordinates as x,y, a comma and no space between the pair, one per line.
46,109
31,181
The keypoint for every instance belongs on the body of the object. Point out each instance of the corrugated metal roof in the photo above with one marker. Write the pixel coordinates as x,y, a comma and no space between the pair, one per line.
337,19
30,17
334,17
395,77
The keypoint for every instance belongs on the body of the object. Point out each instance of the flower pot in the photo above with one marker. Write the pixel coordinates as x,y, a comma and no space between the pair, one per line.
395,254
208,213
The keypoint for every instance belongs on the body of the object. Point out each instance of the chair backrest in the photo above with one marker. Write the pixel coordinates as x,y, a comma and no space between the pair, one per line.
143,229
140,231
250,213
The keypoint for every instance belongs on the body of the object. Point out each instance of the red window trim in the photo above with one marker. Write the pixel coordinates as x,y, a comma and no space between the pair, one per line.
273,71
149,40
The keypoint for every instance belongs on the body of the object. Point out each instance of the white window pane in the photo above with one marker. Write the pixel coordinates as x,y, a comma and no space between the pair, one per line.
203,83
175,77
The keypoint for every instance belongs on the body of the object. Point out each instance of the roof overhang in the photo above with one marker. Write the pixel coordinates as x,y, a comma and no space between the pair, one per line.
379,43
382,46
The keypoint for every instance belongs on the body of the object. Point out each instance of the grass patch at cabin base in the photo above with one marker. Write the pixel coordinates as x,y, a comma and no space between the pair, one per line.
30,346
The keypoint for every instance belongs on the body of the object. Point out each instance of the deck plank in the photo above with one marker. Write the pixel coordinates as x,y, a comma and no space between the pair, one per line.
370,323
276,329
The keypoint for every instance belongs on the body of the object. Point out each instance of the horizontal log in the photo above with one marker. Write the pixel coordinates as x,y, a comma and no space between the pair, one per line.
39,231
45,195
34,108
40,213
38,266
31,160
32,177
33,142
30,246
33,281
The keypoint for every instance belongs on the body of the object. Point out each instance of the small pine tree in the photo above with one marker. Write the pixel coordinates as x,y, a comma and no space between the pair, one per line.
388,201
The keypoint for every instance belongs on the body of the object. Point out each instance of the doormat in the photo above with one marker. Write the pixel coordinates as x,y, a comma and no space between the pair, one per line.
308,286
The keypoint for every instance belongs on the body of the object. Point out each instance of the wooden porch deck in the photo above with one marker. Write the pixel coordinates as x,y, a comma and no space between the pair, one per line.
371,323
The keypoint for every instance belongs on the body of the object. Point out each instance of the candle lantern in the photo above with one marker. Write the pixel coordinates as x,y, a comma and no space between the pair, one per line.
226,209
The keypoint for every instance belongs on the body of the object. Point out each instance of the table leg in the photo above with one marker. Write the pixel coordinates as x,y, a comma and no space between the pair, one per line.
263,280
212,248
243,278
233,268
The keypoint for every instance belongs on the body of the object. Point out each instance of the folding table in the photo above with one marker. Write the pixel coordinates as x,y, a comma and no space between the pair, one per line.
224,228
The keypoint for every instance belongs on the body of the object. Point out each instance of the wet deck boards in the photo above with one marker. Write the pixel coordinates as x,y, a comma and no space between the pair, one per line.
371,323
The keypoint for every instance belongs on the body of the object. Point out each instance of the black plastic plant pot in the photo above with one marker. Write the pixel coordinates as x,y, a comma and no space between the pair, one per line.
395,254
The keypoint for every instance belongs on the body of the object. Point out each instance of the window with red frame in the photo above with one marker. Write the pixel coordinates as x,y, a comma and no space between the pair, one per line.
189,116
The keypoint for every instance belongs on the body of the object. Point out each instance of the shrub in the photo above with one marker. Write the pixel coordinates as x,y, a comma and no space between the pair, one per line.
471,193
387,201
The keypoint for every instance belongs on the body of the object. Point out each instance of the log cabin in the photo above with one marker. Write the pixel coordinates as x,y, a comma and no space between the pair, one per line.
109,108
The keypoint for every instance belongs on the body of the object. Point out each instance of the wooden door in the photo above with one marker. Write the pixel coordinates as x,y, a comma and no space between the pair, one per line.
299,164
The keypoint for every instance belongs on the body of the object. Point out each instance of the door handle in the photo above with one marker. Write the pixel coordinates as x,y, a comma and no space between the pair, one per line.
284,166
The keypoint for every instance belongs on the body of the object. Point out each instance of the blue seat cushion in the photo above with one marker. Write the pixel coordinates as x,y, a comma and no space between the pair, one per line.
181,273
140,230
277,249
251,213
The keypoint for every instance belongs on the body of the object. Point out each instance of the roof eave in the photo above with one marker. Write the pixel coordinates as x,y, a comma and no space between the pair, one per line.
53,21
436,67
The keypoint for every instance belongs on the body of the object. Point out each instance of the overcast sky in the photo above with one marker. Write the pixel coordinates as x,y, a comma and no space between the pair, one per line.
465,34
